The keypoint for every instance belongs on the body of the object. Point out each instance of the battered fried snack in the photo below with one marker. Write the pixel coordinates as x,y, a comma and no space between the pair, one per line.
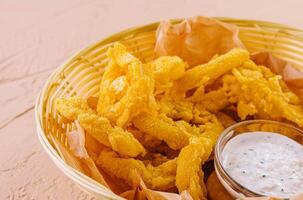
161,177
176,109
164,149
72,107
159,121
261,94
100,128
126,88
146,140
212,131
167,69
137,99
118,139
202,75
189,174
154,159
193,113
210,100
162,128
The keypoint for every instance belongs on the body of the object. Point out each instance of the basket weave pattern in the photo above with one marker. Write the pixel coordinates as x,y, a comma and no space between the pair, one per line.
82,74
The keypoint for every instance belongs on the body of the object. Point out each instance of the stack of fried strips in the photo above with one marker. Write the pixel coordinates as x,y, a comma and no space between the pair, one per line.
160,120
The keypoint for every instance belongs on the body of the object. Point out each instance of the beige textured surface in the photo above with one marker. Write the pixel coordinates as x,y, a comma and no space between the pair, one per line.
36,36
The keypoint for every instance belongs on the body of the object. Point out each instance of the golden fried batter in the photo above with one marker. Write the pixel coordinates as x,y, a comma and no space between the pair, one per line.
197,113
162,128
154,159
137,100
146,140
189,173
161,177
70,108
265,95
167,69
206,73
120,140
212,130
99,127
126,88
176,109
214,100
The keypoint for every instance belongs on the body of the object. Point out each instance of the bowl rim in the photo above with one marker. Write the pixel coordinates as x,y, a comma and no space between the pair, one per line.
75,175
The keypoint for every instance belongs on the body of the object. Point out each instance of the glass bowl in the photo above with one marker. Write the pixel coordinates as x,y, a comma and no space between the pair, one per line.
234,188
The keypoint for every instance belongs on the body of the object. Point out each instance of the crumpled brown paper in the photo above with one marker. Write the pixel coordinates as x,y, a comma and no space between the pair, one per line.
196,40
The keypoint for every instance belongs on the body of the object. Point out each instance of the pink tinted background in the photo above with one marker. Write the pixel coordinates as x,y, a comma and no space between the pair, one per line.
37,36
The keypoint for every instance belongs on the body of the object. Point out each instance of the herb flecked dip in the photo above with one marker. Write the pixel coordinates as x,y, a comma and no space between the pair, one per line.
266,163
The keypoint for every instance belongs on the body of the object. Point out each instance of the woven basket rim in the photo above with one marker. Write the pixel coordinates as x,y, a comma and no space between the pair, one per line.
123,32
75,175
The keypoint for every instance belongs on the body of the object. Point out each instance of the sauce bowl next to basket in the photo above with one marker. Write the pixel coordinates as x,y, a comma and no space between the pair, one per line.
82,74
249,126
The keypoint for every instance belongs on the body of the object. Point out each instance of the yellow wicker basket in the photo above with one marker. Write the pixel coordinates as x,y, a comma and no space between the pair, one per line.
82,73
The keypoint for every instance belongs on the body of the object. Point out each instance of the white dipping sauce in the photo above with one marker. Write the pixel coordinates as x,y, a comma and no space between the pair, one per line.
266,163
